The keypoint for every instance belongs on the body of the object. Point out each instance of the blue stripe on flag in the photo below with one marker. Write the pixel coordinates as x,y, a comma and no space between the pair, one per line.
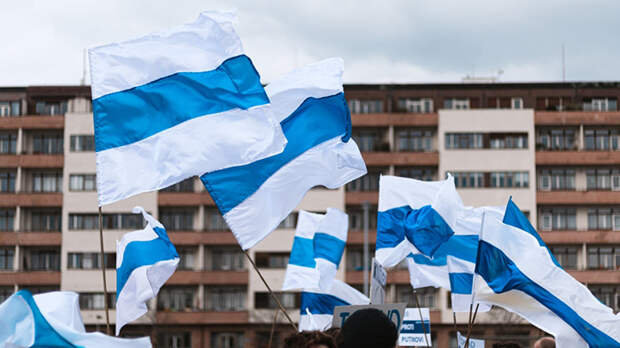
328,247
320,303
315,121
463,247
415,327
302,253
460,283
390,231
132,115
514,217
143,253
435,261
44,334
502,275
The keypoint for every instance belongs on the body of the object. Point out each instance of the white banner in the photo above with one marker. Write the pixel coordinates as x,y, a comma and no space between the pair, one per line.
412,331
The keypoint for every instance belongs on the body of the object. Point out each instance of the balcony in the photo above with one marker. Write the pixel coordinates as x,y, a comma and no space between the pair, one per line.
577,157
209,277
395,119
31,199
577,197
576,118
31,238
580,237
204,318
32,161
398,276
207,237
184,199
33,122
359,197
401,158
356,237
596,276
27,278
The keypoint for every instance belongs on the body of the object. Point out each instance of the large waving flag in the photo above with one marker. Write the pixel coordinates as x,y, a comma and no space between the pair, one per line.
52,320
174,104
414,217
145,259
516,272
317,250
313,113
317,307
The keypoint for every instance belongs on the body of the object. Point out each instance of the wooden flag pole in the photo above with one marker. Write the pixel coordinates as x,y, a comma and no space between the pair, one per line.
273,327
471,324
415,295
270,292
105,287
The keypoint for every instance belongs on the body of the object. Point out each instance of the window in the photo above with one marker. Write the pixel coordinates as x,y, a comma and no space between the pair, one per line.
226,259
82,143
186,185
227,340
418,105
47,143
552,103
264,300
90,301
7,217
558,219
414,140
8,143
214,221
176,299
271,260
82,182
176,340
600,104
468,179
368,182
608,294
603,179
566,256
225,298
7,257
187,258
111,221
507,141
600,218
289,222
7,181
358,106
47,182
426,296
556,179
10,108
464,140
5,292
356,217
355,258
369,139
45,221
42,259
177,219
492,179
51,107
603,257
90,260
419,173
556,139
516,103
456,104
604,139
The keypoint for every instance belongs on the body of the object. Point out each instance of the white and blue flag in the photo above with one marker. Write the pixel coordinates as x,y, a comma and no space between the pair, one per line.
317,250
145,259
414,217
52,320
317,306
516,271
174,104
309,103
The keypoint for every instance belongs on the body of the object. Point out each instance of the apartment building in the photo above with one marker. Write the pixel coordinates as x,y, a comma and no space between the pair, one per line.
553,147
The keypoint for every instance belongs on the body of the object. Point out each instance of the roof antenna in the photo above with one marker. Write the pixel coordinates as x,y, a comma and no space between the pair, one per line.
563,64
83,81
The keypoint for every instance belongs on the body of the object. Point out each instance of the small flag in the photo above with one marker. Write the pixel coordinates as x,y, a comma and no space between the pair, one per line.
174,104
317,307
317,250
145,260
313,113
52,320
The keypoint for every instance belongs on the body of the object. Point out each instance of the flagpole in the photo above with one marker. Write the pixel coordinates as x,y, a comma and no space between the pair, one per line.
415,295
273,326
270,292
105,287
471,325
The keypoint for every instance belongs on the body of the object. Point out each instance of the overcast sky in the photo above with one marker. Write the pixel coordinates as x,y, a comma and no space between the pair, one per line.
406,41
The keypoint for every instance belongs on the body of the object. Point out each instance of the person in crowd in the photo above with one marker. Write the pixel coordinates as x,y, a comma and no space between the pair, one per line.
310,339
368,328
545,342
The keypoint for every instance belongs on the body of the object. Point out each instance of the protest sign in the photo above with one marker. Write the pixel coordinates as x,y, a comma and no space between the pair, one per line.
394,311
378,279
412,332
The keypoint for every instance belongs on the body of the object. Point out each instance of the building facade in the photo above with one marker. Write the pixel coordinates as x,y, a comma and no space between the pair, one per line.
553,147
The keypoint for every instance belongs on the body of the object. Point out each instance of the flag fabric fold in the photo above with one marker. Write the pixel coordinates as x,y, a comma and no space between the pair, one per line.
516,272
309,104
145,259
52,320
177,103
317,250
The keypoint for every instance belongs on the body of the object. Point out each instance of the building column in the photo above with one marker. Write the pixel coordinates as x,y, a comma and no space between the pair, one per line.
17,265
20,139
581,140
17,220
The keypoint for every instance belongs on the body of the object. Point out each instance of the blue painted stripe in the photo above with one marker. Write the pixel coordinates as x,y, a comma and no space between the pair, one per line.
423,227
143,253
328,247
415,327
461,283
302,253
502,275
514,217
134,114
320,303
44,333
315,121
